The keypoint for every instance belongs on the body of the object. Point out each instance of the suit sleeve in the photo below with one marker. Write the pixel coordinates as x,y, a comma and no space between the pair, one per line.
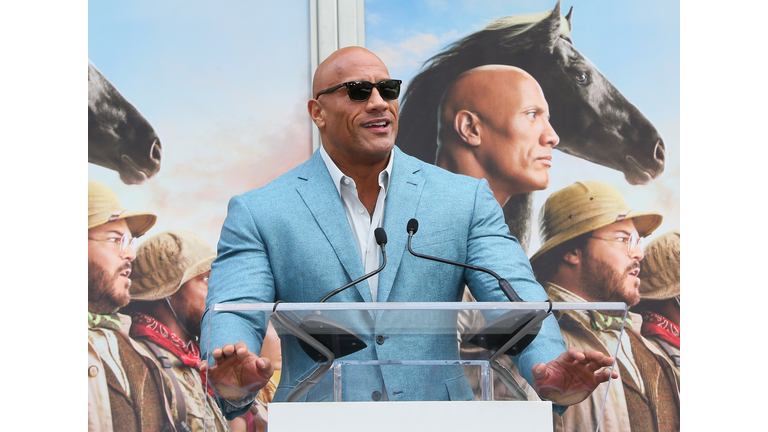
241,273
489,245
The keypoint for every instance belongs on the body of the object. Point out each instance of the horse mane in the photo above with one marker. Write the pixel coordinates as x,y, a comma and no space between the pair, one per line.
520,23
497,43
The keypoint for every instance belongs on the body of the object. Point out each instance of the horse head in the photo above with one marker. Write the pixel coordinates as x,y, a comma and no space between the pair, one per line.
593,119
119,137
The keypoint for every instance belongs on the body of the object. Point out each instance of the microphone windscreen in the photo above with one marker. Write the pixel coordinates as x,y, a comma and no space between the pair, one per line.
381,236
413,226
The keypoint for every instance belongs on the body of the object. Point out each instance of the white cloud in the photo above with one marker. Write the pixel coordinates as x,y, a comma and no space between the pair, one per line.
412,52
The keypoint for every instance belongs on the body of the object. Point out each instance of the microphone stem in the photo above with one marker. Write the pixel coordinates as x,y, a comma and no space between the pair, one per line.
355,282
505,286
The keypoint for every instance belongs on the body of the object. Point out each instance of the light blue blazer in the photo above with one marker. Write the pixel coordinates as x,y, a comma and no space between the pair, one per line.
290,240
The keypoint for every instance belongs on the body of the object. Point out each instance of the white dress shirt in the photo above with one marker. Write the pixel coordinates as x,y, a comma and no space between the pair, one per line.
361,222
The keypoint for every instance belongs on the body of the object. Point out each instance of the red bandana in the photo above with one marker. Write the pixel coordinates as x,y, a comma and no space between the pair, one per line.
152,329
656,325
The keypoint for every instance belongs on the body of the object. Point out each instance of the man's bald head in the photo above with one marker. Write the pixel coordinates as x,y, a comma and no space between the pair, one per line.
339,63
482,90
493,123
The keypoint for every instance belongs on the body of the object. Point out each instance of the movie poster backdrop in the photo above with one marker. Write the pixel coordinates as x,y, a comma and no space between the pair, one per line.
219,94
612,90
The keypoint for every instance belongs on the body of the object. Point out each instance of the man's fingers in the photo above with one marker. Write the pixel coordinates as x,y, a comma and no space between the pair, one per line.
604,375
263,363
593,355
228,350
594,366
241,349
573,354
608,361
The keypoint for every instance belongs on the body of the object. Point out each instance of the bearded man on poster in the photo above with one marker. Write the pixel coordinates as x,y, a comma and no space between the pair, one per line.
125,386
591,252
316,222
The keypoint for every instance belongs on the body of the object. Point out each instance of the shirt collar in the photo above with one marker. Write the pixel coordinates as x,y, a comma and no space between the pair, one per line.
338,176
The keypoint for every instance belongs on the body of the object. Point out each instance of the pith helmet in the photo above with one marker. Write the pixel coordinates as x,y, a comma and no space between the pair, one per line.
584,207
104,207
166,261
660,271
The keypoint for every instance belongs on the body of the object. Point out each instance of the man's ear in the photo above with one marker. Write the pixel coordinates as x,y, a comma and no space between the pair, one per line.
467,125
573,257
316,112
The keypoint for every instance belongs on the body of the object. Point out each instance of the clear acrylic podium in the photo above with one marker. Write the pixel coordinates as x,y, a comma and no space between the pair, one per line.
409,366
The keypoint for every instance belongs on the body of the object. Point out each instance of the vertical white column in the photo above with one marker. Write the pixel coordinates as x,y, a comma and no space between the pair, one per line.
334,24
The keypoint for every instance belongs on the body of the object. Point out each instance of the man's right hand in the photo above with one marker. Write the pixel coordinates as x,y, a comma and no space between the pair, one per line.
237,371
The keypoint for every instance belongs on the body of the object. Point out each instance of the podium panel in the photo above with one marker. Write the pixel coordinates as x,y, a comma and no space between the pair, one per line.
423,365
458,416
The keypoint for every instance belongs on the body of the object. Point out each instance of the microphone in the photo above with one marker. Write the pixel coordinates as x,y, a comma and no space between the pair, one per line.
510,333
381,240
506,287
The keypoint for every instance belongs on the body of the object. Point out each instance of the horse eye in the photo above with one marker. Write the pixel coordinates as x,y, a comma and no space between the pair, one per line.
581,78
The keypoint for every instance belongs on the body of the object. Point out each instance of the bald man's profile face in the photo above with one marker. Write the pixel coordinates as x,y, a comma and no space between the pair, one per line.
517,139
355,132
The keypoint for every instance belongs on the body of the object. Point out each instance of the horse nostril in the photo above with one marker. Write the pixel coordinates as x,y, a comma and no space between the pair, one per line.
659,152
156,152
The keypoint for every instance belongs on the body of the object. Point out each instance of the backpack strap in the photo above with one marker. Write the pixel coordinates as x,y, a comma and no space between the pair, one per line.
181,404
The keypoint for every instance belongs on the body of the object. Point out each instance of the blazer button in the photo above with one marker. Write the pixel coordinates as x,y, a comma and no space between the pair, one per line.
376,395
93,370
380,339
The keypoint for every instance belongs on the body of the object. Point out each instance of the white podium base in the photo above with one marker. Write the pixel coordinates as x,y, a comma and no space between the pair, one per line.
410,416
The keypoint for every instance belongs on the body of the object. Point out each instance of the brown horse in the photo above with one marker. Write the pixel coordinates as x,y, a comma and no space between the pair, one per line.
119,137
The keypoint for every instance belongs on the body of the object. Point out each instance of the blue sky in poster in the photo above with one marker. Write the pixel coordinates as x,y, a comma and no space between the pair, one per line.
224,85
636,45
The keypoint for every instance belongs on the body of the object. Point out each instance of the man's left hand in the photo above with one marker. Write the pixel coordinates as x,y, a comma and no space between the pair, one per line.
573,376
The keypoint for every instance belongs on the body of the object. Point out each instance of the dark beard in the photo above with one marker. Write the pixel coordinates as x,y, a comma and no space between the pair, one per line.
191,321
601,282
101,296
194,328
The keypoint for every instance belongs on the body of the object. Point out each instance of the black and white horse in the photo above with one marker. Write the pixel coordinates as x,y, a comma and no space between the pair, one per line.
119,137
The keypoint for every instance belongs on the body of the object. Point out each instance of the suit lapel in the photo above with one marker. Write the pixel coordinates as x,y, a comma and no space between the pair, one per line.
403,197
322,199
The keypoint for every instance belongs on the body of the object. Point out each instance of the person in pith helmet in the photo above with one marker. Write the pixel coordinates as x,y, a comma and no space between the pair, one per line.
591,251
660,294
125,386
170,282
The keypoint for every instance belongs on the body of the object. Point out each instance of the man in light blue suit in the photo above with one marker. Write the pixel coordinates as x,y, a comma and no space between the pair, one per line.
311,231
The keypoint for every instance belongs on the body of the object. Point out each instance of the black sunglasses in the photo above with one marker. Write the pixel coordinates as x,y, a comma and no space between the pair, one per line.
360,91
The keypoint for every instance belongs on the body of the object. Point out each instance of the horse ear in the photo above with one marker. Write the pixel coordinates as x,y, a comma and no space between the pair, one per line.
568,19
547,30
